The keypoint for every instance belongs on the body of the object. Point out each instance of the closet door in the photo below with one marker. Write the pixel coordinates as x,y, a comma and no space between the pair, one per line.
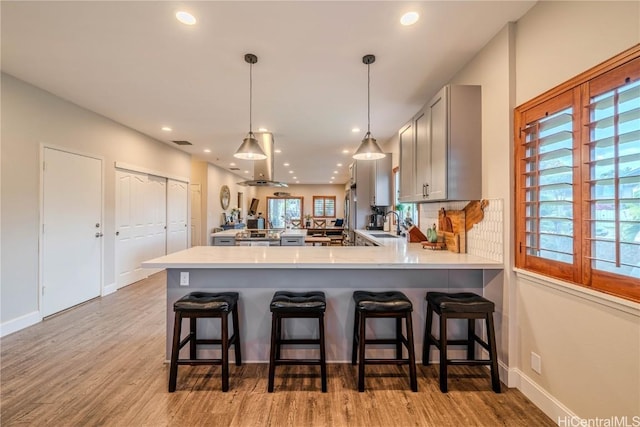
177,220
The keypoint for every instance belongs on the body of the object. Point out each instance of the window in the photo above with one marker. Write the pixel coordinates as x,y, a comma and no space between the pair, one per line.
409,210
578,179
324,206
281,210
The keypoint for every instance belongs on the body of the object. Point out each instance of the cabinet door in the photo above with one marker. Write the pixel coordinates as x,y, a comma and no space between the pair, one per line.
381,182
423,155
438,137
407,164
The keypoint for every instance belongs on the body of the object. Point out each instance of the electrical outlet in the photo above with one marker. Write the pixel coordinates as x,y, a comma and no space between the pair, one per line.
184,278
536,362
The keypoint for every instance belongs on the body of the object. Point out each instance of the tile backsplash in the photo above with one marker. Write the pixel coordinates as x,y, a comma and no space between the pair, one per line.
485,239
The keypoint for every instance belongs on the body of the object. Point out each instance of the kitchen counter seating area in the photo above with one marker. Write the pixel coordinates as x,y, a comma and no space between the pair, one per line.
256,272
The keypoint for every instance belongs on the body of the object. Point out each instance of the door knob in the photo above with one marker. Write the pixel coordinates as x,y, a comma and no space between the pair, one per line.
117,233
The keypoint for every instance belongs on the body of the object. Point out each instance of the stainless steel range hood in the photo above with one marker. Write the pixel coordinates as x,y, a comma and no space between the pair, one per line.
263,169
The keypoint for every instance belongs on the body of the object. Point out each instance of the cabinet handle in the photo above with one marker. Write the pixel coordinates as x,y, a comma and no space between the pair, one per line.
425,189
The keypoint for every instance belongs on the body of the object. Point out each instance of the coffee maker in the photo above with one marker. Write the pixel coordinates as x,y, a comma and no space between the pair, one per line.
376,220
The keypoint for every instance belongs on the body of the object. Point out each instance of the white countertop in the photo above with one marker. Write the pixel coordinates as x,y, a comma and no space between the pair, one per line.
394,253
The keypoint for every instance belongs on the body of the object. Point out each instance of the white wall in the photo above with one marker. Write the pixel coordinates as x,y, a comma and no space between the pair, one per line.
31,117
216,178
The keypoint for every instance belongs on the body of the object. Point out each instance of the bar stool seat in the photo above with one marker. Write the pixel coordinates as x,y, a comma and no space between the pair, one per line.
197,305
287,304
390,304
461,305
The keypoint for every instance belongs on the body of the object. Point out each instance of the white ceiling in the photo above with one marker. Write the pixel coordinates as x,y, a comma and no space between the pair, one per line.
136,64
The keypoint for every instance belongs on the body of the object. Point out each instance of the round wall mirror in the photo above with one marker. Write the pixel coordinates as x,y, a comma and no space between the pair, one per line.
225,196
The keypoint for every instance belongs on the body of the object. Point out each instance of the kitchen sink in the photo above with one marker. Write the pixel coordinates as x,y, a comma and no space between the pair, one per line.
383,235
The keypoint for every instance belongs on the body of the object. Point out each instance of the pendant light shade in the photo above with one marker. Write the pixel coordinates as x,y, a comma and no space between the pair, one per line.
250,148
369,148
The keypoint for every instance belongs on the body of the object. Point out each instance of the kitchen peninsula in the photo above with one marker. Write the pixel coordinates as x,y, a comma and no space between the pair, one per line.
257,272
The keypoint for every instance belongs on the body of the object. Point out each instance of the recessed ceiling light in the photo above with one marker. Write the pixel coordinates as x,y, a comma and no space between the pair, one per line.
166,128
186,18
286,164
339,164
246,171
345,151
206,150
409,18
290,171
263,130
295,177
355,130
277,151
232,164
297,182
335,171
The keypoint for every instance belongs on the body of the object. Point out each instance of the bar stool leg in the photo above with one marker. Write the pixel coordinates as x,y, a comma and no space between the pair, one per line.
175,349
426,342
471,339
412,353
272,352
236,334
493,354
356,331
323,358
193,336
398,338
443,353
224,337
361,347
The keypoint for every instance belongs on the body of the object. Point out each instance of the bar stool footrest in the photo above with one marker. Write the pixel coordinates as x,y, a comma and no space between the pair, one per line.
469,362
298,362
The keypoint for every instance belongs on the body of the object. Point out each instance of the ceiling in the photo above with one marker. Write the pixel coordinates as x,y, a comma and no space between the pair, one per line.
136,64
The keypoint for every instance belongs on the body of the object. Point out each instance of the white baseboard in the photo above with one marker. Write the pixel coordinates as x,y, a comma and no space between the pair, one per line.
109,289
14,325
548,404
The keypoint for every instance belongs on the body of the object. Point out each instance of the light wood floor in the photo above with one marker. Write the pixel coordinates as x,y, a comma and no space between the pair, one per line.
102,363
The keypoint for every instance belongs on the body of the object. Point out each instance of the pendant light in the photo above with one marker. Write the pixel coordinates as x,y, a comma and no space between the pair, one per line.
250,148
369,148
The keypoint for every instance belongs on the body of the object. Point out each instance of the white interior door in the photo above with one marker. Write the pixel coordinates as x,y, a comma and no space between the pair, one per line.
72,230
177,199
156,220
196,214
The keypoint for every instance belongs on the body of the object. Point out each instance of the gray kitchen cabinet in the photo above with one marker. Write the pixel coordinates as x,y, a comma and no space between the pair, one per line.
224,241
444,159
292,241
380,181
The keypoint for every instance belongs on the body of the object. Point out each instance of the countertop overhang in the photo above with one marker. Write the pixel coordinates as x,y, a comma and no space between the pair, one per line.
393,253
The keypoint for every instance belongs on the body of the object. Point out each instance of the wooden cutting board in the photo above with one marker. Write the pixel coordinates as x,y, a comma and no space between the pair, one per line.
474,212
454,222
452,240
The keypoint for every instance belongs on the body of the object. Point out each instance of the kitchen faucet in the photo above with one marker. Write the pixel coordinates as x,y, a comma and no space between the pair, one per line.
397,221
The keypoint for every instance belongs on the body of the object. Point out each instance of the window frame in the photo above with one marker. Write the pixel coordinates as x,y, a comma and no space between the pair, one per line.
576,92
324,206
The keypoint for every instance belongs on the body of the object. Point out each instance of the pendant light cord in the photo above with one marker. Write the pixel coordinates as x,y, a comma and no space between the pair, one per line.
250,95
368,99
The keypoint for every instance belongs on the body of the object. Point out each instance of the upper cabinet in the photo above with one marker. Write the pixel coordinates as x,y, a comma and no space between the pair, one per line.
372,181
380,181
440,148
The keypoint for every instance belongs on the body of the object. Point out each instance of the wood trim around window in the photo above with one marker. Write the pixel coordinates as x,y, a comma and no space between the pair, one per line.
578,91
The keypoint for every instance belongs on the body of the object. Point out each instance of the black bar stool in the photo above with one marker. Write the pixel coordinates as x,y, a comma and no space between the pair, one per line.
376,305
205,305
463,305
296,305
